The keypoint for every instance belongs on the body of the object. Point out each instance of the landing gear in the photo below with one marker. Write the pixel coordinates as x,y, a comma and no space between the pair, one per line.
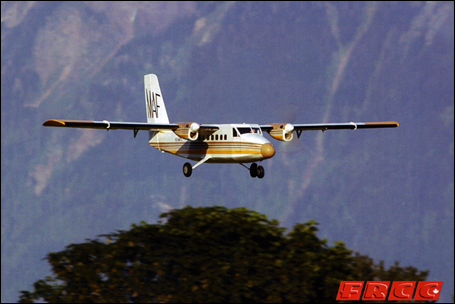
256,171
261,172
187,169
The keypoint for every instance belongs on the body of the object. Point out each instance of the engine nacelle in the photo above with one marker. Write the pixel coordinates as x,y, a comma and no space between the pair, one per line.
283,132
188,130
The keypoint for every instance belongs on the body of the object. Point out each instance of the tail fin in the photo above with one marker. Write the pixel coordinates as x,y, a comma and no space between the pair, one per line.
154,103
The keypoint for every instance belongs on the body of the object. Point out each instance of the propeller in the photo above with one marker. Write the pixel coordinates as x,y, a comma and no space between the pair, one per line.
288,113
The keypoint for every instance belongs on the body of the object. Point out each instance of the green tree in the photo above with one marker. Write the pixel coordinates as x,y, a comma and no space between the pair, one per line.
211,254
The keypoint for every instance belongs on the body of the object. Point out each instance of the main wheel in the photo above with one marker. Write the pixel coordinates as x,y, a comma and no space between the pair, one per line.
187,169
261,172
254,170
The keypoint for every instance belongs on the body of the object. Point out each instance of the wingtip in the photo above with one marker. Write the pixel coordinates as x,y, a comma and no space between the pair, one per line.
54,123
385,124
393,124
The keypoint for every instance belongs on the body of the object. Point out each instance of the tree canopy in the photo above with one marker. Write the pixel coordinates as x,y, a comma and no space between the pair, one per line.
210,254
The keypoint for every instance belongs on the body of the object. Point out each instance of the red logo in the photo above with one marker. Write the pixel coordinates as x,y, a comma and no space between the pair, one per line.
376,290
350,290
379,291
428,290
402,290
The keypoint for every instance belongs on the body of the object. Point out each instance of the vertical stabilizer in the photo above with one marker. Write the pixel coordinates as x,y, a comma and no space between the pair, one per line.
154,103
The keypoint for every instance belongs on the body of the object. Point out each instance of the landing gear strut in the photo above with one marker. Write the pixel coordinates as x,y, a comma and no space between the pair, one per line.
256,171
188,169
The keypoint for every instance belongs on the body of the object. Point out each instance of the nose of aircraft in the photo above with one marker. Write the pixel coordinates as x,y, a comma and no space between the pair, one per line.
267,150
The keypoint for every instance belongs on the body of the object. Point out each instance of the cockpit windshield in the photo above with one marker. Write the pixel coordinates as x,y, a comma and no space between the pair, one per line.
246,130
257,130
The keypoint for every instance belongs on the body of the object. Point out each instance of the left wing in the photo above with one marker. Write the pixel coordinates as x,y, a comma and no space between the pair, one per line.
337,126
289,128
349,125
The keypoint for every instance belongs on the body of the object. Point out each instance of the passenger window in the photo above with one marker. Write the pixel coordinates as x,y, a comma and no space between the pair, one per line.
216,137
225,136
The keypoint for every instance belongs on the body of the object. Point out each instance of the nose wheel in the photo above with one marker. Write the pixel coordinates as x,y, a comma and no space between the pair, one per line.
256,171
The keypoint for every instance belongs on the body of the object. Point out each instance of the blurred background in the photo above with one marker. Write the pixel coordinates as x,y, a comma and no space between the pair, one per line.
386,193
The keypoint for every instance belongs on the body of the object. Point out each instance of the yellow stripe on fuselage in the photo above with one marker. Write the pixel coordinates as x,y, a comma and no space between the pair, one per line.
203,148
204,152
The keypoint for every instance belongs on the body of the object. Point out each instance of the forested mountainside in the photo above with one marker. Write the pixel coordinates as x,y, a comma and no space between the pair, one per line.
386,193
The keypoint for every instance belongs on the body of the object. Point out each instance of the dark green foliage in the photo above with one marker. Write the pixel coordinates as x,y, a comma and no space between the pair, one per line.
211,254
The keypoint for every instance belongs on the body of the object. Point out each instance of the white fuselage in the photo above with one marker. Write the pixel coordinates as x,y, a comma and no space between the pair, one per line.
231,143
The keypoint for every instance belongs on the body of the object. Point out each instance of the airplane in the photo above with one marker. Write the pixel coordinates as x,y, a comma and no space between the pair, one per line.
210,143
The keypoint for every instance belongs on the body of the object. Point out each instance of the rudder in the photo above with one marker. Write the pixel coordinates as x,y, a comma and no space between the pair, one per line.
154,102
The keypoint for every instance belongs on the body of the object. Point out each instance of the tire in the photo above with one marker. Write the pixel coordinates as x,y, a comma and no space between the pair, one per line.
254,170
187,169
261,172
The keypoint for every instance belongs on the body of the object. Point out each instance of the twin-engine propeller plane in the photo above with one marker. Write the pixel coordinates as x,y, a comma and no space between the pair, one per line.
211,143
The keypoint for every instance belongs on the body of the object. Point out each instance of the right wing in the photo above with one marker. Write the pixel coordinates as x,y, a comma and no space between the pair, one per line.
108,125
116,125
